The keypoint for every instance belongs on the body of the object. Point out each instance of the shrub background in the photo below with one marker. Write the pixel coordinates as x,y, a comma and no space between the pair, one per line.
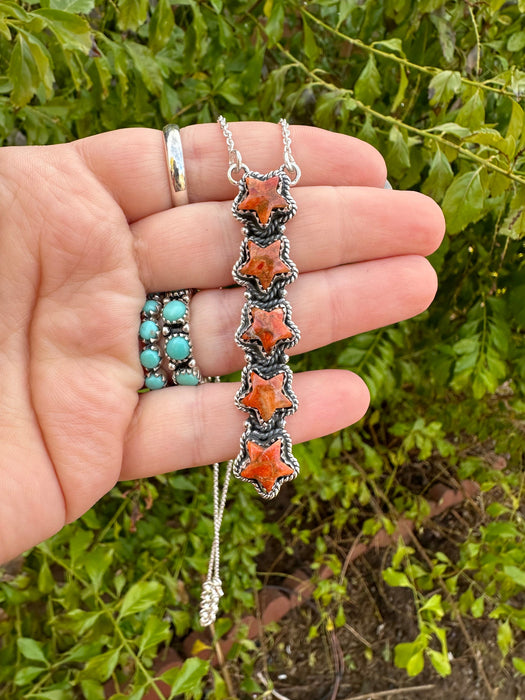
437,87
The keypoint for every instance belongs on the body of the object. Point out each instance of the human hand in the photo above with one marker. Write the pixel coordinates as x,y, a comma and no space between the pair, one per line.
88,229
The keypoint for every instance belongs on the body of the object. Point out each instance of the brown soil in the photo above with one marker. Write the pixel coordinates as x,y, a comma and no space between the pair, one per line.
356,660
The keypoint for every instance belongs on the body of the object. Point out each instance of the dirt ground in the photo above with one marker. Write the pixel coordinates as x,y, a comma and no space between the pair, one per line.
337,666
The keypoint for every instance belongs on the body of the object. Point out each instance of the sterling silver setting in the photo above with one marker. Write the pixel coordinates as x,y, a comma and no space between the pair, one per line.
264,204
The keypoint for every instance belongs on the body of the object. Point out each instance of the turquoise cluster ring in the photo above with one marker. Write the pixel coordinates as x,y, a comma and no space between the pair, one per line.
166,352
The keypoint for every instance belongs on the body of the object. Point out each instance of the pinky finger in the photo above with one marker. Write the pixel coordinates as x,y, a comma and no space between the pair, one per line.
184,427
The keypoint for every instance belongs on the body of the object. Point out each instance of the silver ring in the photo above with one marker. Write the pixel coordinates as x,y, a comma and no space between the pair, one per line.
166,351
176,168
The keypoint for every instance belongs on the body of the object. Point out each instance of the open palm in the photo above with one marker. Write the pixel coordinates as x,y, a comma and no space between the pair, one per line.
88,229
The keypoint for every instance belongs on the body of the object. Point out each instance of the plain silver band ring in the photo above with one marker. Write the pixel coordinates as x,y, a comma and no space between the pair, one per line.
177,171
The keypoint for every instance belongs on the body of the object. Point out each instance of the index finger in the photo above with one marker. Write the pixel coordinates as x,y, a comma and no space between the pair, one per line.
131,163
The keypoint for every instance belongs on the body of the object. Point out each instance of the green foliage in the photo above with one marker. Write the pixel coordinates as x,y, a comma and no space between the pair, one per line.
437,86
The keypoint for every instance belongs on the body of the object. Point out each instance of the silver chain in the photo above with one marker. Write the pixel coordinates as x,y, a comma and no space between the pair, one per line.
236,163
212,587
289,161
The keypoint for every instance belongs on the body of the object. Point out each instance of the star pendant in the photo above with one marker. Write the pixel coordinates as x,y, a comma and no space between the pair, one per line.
262,198
265,465
268,327
266,395
264,263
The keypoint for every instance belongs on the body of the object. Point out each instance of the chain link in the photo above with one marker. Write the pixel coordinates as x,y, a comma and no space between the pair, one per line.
235,158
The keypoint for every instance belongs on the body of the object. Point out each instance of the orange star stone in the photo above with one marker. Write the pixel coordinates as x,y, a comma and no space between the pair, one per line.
262,198
267,326
265,465
266,395
264,263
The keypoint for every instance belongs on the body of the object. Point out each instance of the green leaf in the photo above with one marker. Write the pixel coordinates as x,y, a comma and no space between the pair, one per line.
446,36
395,45
398,155
440,662
402,551
27,674
478,606
131,14
443,87
81,6
368,86
155,632
72,32
188,677
46,582
220,689
78,622
92,689
101,667
181,619
505,637
472,114
463,201
439,177
452,128
515,135
415,664
401,90
141,596
31,649
328,105
434,605
96,563
147,67
311,49
79,543
222,626
275,25
517,575
519,664
23,73
396,578
516,41
161,25
82,652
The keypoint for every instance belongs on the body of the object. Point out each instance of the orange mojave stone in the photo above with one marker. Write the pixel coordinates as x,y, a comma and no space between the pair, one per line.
262,198
264,263
267,326
265,465
267,395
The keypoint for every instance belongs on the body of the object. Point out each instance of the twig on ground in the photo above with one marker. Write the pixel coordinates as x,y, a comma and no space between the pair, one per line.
358,636
390,693
264,681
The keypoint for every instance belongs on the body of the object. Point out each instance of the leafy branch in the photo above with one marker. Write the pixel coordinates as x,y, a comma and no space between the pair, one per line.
424,134
400,60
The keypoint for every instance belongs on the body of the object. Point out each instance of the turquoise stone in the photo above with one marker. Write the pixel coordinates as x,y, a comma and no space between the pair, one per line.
187,379
153,382
149,358
150,307
178,348
148,330
174,310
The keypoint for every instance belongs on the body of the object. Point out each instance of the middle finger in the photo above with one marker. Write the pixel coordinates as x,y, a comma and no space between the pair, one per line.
196,245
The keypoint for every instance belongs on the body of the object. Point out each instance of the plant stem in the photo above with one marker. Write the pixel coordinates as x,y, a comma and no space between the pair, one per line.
465,153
